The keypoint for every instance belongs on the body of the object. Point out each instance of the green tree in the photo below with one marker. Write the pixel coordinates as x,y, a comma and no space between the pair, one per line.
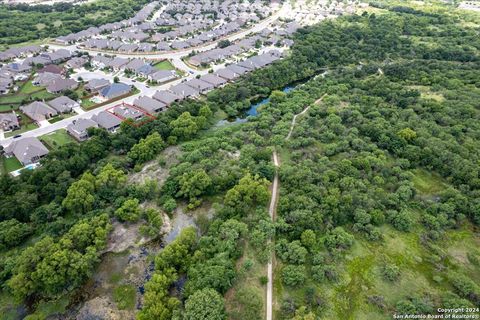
309,239
293,275
13,232
129,211
193,184
338,239
80,195
407,134
250,191
206,304
184,126
146,149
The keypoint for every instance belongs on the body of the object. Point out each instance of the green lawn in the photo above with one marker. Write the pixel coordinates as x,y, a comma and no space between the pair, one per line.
61,117
27,92
10,164
164,65
87,104
57,139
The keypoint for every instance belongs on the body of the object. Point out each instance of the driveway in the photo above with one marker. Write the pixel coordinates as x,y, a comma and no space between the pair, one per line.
43,123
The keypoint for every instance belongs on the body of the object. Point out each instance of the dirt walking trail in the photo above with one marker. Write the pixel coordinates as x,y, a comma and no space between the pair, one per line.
272,211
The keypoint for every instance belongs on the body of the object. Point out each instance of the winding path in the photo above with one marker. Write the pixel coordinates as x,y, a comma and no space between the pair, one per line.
294,120
272,210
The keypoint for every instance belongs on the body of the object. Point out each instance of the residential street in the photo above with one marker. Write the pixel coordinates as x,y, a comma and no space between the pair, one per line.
174,56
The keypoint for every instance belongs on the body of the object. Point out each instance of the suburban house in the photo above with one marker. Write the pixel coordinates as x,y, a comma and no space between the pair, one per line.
38,111
166,97
18,67
107,121
26,150
184,91
44,79
79,128
100,62
199,85
60,85
96,85
63,104
145,70
227,74
9,121
57,56
215,80
117,63
237,69
126,112
163,76
134,65
52,68
149,105
115,90
248,64
76,62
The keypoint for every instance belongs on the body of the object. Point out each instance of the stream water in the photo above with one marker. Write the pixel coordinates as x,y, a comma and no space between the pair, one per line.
251,112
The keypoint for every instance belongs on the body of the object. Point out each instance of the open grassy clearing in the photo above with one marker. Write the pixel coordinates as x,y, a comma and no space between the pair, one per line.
124,296
428,183
246,299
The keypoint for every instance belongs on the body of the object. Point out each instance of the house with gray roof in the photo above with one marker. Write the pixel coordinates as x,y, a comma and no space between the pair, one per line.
107,121
180,45
184,91
115,90
96,85
38,111
213,79
76,62
63,104
60,85
79,128
101,62
44,79
145,70
248,64
199,85
149,105
237,69
26,150
166,97
9,121
117,63
126,112
163,76
227,74
134,65
128,47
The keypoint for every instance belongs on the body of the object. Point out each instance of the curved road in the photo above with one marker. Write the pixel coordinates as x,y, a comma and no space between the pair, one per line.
174,56
178,54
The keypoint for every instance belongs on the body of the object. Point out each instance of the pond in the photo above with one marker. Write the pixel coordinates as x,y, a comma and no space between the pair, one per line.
252,112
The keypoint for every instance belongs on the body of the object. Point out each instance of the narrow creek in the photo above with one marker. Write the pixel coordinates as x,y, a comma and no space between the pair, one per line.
252,111
133,266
